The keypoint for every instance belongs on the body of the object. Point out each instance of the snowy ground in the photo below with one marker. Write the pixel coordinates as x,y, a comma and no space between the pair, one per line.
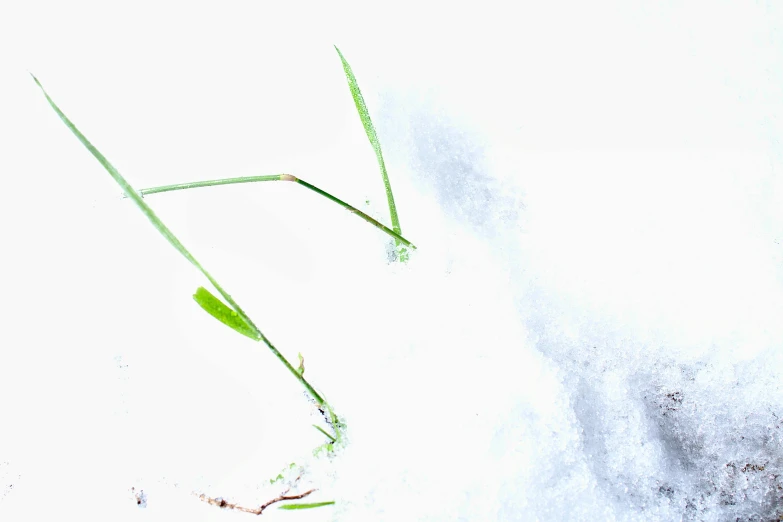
590,329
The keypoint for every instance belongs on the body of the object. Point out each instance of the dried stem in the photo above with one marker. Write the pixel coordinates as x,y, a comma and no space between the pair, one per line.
222,503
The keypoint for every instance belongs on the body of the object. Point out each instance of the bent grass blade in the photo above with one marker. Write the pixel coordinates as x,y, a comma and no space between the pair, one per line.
172,239
369,129
280,177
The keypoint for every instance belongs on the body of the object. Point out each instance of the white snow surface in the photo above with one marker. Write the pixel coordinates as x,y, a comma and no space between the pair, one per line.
590,328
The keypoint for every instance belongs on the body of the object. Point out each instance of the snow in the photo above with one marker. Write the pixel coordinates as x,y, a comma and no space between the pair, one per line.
589,329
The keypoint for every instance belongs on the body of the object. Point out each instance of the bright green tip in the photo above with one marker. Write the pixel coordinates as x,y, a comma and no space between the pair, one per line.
220,311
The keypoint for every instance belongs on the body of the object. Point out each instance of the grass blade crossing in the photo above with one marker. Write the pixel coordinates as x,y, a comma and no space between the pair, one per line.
251,329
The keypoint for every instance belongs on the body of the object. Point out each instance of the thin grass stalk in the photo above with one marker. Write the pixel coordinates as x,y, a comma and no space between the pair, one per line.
279,177
172,239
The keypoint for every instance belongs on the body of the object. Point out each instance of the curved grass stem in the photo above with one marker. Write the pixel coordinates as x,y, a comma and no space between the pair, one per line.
280,177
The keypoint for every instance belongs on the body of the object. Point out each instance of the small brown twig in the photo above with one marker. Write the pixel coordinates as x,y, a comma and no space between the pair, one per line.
222,503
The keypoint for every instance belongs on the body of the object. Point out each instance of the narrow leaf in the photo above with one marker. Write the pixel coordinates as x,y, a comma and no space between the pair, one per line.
220,311
307,506
324,432
369,129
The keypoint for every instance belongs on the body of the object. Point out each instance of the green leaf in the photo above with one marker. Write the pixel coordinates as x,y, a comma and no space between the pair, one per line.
220,311
369,129
307,506
324,432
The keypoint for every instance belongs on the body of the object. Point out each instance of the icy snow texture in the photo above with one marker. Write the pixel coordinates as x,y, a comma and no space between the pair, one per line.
590,329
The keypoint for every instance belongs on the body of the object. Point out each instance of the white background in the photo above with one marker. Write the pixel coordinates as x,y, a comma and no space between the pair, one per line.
595,191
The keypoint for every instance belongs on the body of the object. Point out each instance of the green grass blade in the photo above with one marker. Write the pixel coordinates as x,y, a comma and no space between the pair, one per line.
217,309
280,177
310,505
332,439
210,183
132,194
165,232
394,233
369,128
